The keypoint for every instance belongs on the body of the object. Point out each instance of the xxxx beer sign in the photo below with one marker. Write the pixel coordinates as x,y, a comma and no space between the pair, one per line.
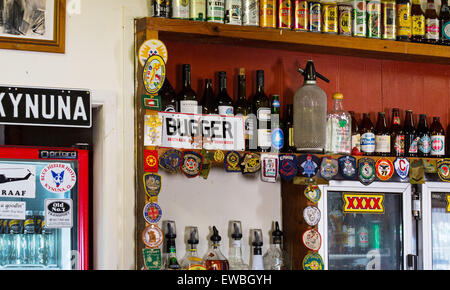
363,203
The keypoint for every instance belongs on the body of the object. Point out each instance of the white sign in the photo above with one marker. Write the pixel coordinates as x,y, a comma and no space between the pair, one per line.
58,177
12,210
17,180
195,131
58,213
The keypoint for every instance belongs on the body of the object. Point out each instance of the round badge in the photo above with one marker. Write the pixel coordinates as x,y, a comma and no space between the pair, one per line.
152,213
313,193
312,240
152,236
152,47
154,74
384,168
251,163
311,214
312,261
443,170
58,177
219,156
191,163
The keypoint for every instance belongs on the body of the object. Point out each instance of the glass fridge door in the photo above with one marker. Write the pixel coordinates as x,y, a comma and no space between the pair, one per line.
367,227
39,214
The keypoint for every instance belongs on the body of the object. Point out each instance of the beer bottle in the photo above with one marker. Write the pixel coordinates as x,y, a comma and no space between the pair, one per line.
411,138
187,98
208,101
289,129
261,108
424,136
356,134
432,23
397,135
367,136
418,22
444,23
277,139
168,98
243,108
362,235
224,102
403,20
437,138
382,136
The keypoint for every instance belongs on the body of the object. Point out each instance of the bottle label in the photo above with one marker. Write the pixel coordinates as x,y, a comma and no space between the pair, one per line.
396,120
196,267
291,137
188,107
418,25
432,29
356,141
363,238
446,30
368,142
437,145
414,146
277,139
351,237
399,144
383,143
425,144
404,20
226,110
340,136
264,138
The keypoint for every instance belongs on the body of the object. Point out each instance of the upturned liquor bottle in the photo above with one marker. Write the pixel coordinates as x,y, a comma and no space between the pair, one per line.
191,261
367,136
403,20
411,138
437,138
187,98
289,130
424,134
339,124
277,139
224,102
418,22
235,258
242,107
257,243
356,135
382,136
275,257
214,259
444,23
168,98
432,23
208,100
397,135
261,108
171,262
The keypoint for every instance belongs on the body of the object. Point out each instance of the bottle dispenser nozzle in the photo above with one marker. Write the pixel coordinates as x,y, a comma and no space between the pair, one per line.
310,73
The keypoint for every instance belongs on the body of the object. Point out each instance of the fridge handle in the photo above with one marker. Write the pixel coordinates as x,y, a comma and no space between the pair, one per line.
412,262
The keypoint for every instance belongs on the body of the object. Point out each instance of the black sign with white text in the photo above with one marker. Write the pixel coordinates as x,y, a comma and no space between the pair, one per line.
45,107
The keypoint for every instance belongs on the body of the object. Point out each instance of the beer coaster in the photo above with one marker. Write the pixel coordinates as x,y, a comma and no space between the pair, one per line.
152,184
152,213
269,167
366,170
311,215
231,161
151,161
191,163
384,168
152,47
308,165
288,166
328,168
347,167
313,193
152,259
154,74
312,261
152,236
251,163
443,169
401,166
312,240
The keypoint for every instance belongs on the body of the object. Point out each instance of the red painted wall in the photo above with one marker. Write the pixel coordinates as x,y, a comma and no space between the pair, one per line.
368,85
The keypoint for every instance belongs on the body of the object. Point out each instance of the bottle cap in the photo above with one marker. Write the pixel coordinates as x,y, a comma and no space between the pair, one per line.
338,96
242,71
187,67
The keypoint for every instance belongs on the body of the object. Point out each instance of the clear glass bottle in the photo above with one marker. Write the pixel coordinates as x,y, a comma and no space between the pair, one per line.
171,262
214,259
17,242
339,128
235,258
29,238
257,243
274,258
191,261
310,113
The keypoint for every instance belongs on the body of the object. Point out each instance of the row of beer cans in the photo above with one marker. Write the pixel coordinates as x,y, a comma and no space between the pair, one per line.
374,19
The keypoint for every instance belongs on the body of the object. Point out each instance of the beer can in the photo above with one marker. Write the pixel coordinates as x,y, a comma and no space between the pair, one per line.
267,13
329,18
233,12
300,15
315,19
284,14
250,12
403,30
215,11
389,19
160,8
180,9
374,19
359,18
197,10
345,19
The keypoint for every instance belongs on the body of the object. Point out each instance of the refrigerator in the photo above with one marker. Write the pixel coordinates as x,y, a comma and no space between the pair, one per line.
367,227
44,194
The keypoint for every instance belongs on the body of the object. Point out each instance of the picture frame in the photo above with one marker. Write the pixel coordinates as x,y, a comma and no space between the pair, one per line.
33,25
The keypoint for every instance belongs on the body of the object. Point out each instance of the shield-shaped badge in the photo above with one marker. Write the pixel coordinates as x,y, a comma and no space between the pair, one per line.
231,161
313,193
328,168
251,163
312,261
288,166
171,160
347,167
416,172
401,166
308,165
191,163
366,170
152,184
443,169
384,169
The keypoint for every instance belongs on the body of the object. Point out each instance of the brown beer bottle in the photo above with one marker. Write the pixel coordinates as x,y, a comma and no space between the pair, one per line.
437,138
356,134
367,136
382,136
397,135
418,22
411,139
432,23
424,134
444,23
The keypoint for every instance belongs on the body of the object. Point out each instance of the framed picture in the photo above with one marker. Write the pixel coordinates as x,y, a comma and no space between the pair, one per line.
36,25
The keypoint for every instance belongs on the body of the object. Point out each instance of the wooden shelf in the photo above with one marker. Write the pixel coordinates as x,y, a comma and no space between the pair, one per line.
184,30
